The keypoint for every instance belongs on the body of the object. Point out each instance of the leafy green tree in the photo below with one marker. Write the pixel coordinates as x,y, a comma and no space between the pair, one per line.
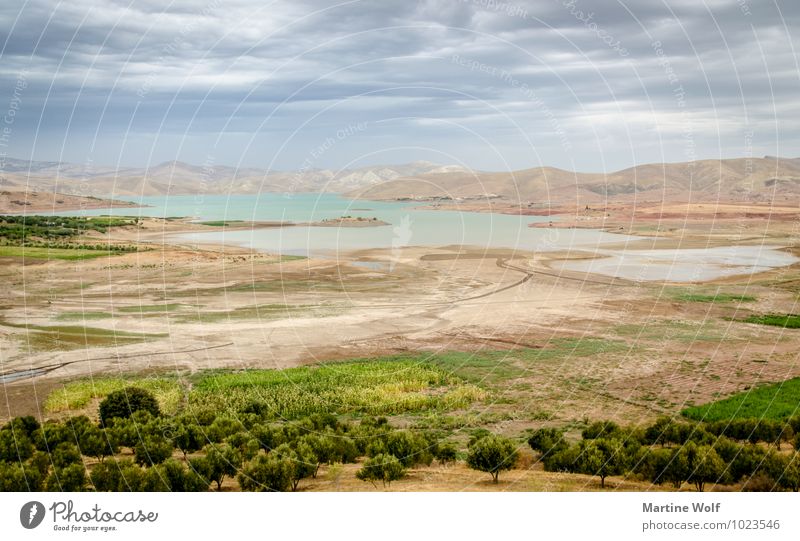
223,460
445,452
384,468
268,436
115,475
668,466
187,436
21,477
266,473
247,445
65,455
547,441
601,457
15,445
173,476
152,450
705,465
27,425
601,429
97,442
304,461
70,478
492,454
125,402
409,448
50,435
223,427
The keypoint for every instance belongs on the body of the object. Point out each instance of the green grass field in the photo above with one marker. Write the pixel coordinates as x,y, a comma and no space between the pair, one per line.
221,223
778,401
787,321
370,386
716,298
66,254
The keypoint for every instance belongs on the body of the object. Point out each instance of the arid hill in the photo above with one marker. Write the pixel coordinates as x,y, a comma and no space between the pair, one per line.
757,180
179,178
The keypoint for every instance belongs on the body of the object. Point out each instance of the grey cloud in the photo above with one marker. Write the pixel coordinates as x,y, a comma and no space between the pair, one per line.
199,67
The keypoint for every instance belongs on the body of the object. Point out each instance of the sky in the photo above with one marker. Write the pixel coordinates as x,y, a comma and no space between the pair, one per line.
582,85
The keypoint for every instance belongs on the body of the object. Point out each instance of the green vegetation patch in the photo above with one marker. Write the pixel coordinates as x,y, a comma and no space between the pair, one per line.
259,311
21,228
79,394
44,252
150,308
66,337
778,401
221,223
715,298
83,316
787,321
369,386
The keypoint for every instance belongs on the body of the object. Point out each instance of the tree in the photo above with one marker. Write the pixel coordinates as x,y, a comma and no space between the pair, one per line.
117,476
384,468
187,436
601,429
125,402
669,466
492,454
547,441
173,476
266,473
15,445
409,448
705,465
223,460
20,477
152,450
97,442
65,455
601,457
304,461
445,453
71,478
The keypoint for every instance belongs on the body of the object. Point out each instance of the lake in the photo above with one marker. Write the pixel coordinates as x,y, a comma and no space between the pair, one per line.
411,226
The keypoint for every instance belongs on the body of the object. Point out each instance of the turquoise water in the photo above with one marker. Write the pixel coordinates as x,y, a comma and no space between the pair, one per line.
409,226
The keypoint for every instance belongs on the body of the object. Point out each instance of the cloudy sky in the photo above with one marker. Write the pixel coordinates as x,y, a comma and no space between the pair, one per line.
588,85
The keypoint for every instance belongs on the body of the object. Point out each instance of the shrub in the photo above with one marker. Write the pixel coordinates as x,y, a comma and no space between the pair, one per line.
15,445
152,450
266,473
492,454
71,478
125,402
445,453
117,476
384,468
173,476
547,441
601,429
409,448
20,477
65,455
98,443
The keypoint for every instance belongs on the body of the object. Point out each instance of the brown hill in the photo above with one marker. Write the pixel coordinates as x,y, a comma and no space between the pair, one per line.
756,179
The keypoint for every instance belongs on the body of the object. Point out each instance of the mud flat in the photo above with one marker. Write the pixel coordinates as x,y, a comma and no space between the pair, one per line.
682,265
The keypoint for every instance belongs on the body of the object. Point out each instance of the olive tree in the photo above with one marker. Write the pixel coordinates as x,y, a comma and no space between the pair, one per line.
125,402
266,473
492,454
384,468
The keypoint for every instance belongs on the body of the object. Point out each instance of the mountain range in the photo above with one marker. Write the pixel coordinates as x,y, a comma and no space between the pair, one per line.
742,179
